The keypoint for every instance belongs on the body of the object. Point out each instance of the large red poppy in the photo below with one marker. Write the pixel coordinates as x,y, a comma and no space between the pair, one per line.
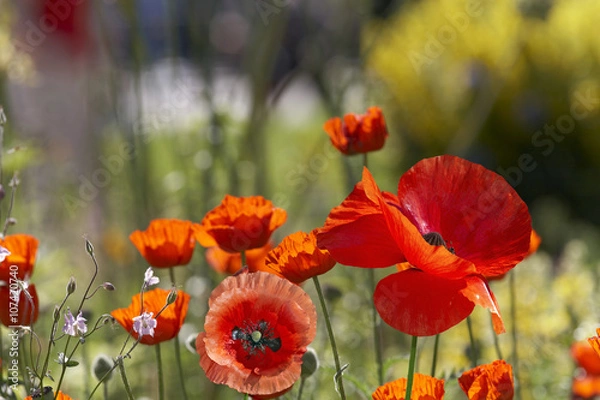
358,133
166,242
424,388
492,381
454,222
23,249
256,330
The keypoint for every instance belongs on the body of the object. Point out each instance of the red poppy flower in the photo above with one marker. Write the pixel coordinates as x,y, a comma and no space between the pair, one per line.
230,263
358,133
453,221
586,357
424,388
168,323
240,223
595,342
488,382
61,396
166,243
297,258
256,330
18,313
23,249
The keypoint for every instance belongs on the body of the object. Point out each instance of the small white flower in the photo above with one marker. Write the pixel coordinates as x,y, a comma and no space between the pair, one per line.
149,278
3,253
62,359
74,325
144,324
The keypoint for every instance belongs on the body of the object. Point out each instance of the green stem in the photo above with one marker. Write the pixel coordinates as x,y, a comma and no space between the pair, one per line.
161,382
105,390
180,367
243,257
302,380
411,368
172,276
473,350
513,333
338,375
435,353
376,327
125,381
496,341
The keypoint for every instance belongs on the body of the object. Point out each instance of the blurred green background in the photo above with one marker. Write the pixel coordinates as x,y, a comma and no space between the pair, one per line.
121,111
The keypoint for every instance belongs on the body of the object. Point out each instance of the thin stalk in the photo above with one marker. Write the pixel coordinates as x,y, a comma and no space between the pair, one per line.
513,333
125,381
411,368
243,256
302,380
336,357
376,321
161,381
105,390
496,341
436,346
473,351
178,348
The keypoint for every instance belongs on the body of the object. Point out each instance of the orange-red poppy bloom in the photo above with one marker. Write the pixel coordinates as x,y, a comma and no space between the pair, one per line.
453,221
255,333
16,307
230,263
23,249
358,133
586,383
61,396
424,388
240,223
168,323
595,342
492,381
297,258
166,243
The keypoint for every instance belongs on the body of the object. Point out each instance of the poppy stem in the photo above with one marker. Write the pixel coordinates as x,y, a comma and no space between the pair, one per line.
243,257
125,381
473,349
411,367
376,327
513,333
339,384
161,383
302,380
178,346
436,345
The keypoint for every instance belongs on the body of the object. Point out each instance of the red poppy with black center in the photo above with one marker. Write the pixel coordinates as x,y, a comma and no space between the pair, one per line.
256,331
454,222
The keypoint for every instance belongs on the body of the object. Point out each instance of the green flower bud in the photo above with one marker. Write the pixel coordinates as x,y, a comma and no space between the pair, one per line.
101,366
310,363
71,286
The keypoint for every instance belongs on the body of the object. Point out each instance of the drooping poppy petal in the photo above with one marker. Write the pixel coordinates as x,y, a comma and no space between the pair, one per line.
297,258
256,331
595,342
18,307
240,223
23,249
424,388
474,209
358,133
421,304
230,263
169,321
166,242
479,292
492,381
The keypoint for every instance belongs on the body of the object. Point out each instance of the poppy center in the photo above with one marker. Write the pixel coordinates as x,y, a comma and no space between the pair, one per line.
255,337
436,239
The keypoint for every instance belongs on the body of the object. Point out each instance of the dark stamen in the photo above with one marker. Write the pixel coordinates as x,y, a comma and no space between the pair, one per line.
434,239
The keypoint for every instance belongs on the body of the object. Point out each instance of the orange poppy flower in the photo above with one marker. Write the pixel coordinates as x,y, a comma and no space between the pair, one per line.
240,223
23,249
297,258
255,333
595,341
584,354
168,323
20,313
166,243
358,133
61,396
488,382
424,388
230,263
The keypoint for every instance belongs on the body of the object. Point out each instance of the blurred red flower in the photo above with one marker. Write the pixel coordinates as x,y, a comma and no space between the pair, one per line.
230,263
358,133
454,222
23,249
256,330
166,242
488,382
18,312
297,258
240,223
586,381
168,322
424,388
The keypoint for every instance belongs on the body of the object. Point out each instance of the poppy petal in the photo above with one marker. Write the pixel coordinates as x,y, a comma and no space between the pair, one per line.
479,292
356,233
421,304
474,209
